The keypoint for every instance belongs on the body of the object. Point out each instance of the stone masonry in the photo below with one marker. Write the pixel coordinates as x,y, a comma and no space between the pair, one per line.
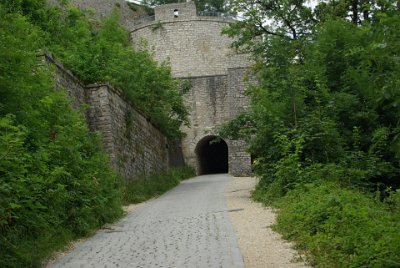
199,53
193,44
134,145
103,8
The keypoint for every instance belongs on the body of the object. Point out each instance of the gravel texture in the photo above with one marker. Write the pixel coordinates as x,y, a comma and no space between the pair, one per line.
260,246
189,226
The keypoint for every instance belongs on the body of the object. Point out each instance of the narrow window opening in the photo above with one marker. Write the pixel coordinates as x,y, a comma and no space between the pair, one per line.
176,13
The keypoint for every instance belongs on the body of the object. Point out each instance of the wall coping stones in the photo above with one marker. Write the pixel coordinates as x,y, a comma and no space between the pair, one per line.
206,19
123,96
51,58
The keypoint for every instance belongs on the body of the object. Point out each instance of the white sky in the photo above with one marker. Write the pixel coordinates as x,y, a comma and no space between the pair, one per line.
134,1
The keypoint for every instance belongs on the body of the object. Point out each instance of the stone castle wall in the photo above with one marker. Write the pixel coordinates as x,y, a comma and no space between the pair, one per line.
213,101
196,51
199,53
207,101
134,145
238,80
193,44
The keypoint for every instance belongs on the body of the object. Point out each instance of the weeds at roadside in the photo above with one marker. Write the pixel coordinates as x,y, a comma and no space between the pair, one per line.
147,187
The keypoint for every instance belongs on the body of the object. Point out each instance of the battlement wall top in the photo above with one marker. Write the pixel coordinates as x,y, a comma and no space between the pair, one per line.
179,12
175,11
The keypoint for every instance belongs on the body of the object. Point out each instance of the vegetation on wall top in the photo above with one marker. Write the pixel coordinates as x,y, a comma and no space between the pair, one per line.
98,51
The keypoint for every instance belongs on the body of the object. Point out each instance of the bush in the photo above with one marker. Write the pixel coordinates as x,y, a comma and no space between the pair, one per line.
55,183
339,227
98,51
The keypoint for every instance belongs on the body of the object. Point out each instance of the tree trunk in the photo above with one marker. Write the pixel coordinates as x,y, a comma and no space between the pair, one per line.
365,9
354,11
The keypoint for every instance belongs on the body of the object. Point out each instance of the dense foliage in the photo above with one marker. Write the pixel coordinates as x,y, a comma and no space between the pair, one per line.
55,183
100,51
55,180
341,227
325,114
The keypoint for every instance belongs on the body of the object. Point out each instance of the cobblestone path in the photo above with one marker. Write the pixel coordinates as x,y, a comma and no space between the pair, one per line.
187,227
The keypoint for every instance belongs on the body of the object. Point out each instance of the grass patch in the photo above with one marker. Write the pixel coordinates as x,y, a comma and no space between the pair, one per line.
21,249
146,187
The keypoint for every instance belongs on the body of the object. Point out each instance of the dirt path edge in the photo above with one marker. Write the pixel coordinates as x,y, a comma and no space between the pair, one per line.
260,246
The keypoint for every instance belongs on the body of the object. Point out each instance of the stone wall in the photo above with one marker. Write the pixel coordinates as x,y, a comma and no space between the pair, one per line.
207,101
193,44
199,53
213,101
64,78
134,145
238,81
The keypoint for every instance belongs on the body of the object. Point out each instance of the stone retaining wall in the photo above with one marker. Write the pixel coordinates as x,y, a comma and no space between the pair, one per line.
134,145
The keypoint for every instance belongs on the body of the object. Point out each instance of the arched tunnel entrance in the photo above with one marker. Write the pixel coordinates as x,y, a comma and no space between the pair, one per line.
212,156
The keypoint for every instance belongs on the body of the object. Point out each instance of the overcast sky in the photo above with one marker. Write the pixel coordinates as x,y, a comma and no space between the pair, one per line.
133,1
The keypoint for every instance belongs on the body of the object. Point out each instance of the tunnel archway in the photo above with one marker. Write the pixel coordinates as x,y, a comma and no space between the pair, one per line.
212,157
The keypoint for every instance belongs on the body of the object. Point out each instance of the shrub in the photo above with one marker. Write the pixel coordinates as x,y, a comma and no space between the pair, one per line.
339,227
55,183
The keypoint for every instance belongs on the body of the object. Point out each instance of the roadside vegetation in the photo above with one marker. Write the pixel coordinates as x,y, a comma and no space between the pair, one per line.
55,181
145,188
100,51
324,125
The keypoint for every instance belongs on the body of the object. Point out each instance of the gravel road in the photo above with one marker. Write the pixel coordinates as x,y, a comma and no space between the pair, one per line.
187,227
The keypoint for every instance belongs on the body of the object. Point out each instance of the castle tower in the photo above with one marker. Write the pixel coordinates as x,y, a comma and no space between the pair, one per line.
199,53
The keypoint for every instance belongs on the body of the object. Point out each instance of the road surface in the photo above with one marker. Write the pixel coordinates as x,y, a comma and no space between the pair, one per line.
188,226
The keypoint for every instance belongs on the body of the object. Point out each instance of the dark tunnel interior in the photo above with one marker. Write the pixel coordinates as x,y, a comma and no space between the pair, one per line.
212,157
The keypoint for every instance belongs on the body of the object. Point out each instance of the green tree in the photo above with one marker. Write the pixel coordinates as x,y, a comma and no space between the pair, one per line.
55,180
324,124
100,51
54,183
323,82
